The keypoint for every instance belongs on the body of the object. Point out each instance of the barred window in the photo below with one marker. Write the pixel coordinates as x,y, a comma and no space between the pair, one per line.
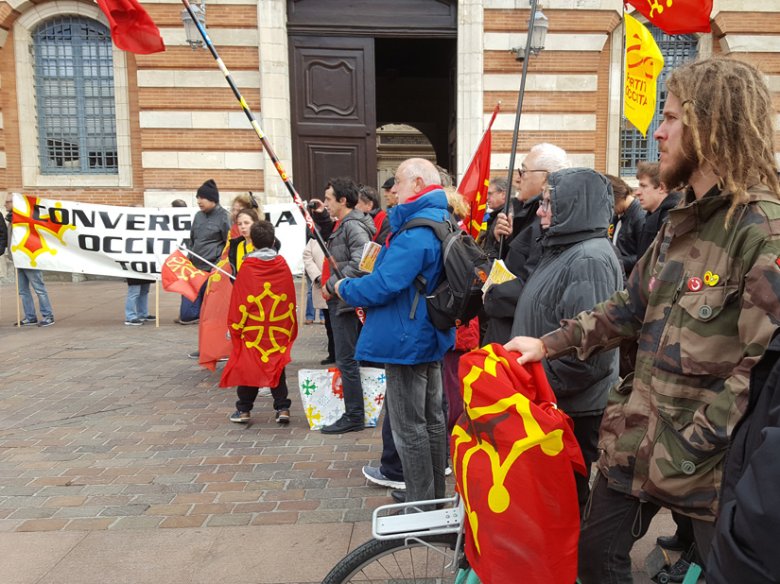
677,50
74,89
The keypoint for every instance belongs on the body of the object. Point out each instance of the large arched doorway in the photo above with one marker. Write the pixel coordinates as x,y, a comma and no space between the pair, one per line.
359,64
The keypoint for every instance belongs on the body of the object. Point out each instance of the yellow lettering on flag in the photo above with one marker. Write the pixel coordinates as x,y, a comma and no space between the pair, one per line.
644,62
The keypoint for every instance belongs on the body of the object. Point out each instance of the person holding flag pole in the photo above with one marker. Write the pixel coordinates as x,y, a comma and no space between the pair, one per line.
267,146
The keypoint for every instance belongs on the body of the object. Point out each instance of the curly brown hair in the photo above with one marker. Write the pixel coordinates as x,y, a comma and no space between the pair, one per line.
728,124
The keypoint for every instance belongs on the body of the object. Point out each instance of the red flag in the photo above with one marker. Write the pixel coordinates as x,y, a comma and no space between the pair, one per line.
132,29
180,276
514,453
262,323
678,17
213,333
474,184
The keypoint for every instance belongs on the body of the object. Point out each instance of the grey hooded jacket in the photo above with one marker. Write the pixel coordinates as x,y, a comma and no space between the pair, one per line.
346,246
577,270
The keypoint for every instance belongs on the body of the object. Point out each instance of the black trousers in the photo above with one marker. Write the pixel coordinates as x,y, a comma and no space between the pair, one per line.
586,431
247,395
613,522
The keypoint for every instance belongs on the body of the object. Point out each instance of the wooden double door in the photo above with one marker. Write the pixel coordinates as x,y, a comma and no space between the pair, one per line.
333,111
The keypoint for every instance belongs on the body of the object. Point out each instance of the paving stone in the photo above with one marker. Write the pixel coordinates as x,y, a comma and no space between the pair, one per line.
43,525
124,510
88,524
322,516
144,522
276,518
228,520
187,521
31,513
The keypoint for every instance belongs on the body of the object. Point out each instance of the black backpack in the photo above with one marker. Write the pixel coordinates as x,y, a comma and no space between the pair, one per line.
457,297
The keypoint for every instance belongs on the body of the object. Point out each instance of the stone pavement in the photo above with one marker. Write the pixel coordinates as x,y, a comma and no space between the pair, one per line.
118,463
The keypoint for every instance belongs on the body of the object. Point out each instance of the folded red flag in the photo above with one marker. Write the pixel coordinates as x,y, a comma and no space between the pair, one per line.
514,455
180,276
678,17
132,29
214,341
262,323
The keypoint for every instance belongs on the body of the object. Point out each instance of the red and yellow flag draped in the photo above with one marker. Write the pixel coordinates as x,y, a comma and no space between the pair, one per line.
213,336
262,323
644,63
514,455
132,29
474,185
180,276
676,16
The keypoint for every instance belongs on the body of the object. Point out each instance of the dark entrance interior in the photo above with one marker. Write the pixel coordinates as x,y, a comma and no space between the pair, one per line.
415,85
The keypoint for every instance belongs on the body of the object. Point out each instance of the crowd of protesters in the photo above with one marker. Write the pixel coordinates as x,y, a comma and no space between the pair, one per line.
654,312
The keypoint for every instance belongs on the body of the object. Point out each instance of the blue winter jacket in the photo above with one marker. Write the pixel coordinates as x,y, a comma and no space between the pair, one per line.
390,334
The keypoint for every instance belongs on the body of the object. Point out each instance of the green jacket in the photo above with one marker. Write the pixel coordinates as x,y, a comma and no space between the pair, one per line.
704,303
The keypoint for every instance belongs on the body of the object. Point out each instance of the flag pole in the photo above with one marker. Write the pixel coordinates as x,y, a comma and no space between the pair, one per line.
516,131
183,248
264,141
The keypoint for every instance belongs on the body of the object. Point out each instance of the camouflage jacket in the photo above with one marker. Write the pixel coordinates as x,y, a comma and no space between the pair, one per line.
704,304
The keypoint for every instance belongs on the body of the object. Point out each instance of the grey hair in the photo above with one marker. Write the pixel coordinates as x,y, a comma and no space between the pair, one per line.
500,183
550,157
425,169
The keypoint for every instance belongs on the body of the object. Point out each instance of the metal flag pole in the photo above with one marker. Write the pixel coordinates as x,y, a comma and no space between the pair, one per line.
516,131
266,144
183,248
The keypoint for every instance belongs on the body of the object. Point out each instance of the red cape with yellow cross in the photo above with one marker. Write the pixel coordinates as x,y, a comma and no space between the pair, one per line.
514,455
262,323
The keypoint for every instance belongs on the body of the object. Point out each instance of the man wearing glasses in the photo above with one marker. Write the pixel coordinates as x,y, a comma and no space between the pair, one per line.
522,232
577,270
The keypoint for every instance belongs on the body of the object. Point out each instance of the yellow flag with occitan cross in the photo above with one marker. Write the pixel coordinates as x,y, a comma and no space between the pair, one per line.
644,62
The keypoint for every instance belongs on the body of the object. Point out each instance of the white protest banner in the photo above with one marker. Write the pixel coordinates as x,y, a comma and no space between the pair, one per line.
68,236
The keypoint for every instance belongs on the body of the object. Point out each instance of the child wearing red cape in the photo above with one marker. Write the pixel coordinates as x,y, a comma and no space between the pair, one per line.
262,326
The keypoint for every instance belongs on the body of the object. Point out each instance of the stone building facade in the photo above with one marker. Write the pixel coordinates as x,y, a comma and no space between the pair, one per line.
176,123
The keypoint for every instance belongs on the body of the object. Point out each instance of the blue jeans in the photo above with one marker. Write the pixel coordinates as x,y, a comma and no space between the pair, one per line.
311,312
413,399
346,329
191,310
137,302
29,277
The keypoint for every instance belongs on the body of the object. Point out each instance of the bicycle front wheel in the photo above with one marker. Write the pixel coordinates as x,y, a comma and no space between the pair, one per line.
425,560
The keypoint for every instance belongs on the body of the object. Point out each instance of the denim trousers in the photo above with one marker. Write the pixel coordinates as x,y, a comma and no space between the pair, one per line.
191,310
613,522
311,313
346,330
413,398
390,463
29,277
247,395
137,302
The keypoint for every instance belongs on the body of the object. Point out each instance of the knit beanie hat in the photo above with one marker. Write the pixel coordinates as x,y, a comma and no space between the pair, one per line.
208,190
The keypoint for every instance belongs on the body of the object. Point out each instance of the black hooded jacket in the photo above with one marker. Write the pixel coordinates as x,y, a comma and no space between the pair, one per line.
745,546
577,270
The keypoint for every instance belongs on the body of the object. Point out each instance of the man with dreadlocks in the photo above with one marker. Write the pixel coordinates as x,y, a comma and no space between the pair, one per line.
704,305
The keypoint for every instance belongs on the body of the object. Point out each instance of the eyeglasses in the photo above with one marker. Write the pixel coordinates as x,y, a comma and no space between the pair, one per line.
546,202
522,171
